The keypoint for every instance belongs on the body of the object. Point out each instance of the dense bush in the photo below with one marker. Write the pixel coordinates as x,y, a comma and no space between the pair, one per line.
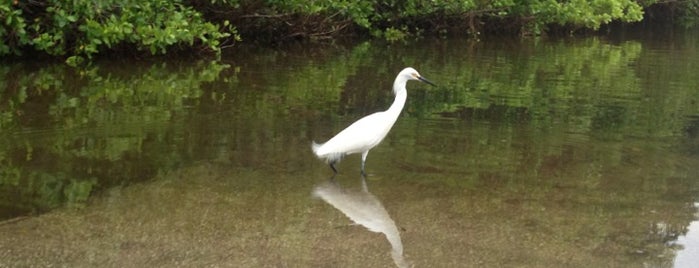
82,28
279,20
395,18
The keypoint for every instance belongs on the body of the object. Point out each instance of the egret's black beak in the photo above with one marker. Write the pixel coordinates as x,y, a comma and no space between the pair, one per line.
425,80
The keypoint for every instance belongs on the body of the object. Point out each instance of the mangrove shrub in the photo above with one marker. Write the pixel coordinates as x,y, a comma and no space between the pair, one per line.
82,28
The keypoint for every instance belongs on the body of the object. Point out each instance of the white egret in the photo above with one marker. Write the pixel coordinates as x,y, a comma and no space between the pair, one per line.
364,134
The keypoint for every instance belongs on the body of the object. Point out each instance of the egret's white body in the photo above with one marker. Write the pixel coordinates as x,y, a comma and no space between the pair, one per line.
364,134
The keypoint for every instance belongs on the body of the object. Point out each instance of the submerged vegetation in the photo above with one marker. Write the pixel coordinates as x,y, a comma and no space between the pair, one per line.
78,30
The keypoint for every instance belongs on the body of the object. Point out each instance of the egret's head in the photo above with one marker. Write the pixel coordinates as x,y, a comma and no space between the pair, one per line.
412,74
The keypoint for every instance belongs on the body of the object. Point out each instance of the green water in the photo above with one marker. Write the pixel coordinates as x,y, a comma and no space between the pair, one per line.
529,153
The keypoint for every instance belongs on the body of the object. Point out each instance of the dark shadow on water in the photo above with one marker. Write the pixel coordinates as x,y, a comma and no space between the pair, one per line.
363,208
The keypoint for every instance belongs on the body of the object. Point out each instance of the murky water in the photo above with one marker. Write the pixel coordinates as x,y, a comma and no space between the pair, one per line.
528,153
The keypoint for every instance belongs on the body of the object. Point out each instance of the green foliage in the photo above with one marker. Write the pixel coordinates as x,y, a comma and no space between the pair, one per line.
80,29
688,13
12,29
589,14
390,19
360,12
393,34
84,28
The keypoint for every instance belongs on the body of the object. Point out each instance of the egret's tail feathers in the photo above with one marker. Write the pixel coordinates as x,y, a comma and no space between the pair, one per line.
315,147
330,157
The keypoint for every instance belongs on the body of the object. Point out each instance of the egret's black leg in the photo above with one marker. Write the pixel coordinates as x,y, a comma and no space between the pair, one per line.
363,161
364,186
332,165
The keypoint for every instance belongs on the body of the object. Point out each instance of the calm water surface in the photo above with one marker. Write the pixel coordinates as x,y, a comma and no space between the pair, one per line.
528,153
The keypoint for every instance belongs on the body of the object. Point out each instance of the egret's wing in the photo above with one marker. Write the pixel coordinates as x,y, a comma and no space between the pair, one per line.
362,135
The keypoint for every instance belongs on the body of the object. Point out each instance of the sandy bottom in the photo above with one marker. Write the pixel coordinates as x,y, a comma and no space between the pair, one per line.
211,216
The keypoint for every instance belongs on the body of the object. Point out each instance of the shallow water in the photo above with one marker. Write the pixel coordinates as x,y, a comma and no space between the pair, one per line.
528,153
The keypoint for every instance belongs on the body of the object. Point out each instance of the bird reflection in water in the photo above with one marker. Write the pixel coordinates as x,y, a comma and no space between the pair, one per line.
365,209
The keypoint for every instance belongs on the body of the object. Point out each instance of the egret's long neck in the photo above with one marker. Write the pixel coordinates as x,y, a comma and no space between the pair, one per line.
399,102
